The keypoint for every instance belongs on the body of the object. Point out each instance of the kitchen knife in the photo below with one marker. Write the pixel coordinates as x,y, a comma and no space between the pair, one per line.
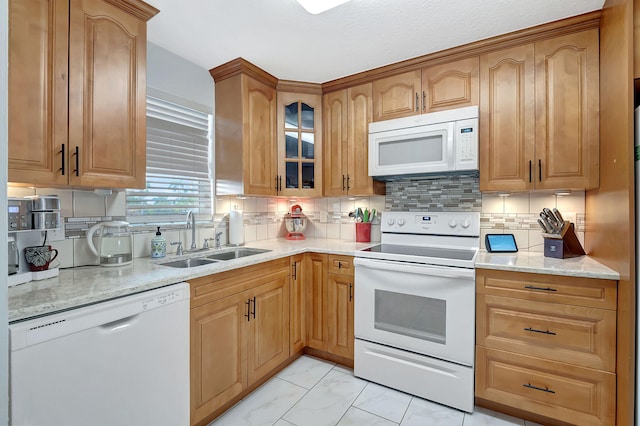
549,214
558,216
545,221
543,226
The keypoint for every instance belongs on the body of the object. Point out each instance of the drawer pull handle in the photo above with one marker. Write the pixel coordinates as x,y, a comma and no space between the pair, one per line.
533,330
532,287
545,389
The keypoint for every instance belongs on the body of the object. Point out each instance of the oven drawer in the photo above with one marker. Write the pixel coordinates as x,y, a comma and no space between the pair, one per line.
592,292
341,265
556,390
565,333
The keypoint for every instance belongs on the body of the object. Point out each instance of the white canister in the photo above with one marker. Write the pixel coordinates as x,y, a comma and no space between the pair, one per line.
236,228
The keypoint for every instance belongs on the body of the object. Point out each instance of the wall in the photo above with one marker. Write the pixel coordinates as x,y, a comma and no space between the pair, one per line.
178,79
4,343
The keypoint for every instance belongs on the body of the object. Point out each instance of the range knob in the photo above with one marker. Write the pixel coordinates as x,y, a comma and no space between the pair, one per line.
465,223
452,223
390,221
400,222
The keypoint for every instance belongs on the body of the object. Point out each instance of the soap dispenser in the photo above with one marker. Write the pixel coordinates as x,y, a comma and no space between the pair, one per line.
158,245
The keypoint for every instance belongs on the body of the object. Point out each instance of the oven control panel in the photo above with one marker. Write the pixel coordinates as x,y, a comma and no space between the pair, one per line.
435,223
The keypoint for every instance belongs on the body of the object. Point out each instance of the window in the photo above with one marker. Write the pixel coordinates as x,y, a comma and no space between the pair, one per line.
179,178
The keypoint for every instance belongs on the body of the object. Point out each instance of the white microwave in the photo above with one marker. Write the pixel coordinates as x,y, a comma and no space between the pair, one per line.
438,142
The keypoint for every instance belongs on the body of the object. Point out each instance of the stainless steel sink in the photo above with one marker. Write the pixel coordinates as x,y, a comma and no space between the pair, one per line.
236,253
189,263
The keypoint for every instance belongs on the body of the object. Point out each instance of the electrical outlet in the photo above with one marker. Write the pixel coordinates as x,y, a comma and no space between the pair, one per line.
324,216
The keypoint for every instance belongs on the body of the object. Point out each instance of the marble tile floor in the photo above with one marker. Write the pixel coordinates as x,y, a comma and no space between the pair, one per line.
312,392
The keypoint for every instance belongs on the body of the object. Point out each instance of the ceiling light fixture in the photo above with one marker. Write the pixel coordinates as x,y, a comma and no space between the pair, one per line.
318,6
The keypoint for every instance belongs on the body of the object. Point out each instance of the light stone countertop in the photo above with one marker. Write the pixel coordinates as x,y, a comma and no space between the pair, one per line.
535,262
85,285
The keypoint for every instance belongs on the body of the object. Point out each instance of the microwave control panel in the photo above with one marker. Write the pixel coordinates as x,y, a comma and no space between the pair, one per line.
466,143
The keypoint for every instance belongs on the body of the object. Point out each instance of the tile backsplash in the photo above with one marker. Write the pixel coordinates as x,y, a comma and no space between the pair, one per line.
516,214
327,217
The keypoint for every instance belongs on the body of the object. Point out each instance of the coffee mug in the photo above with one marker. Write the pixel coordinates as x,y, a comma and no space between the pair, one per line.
39,257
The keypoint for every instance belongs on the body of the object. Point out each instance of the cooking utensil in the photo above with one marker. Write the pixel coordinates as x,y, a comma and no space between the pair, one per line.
558,216
543,226
545,222
552,219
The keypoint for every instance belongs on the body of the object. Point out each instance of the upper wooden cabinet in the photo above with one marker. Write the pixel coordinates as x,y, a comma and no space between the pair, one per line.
245,129
347,114
77,86
299,130
434,88
539,115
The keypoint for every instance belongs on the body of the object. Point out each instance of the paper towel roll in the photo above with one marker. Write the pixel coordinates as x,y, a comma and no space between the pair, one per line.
236,228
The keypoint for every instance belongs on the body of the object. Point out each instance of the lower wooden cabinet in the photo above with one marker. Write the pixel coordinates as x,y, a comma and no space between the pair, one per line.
546,345
297,299
559,391
340,293
247,322
239,333
315,277
330,293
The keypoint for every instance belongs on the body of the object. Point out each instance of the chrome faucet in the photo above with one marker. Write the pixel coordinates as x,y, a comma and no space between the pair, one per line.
218,235
191,216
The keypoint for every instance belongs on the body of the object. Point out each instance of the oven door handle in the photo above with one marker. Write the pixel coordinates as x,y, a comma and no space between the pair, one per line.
414,268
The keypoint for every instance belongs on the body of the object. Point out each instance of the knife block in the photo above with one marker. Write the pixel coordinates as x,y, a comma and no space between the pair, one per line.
563,245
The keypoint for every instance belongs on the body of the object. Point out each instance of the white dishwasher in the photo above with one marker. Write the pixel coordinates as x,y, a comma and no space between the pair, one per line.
116,363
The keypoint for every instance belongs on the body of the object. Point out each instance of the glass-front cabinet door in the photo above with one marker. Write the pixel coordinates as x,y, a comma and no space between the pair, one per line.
299,144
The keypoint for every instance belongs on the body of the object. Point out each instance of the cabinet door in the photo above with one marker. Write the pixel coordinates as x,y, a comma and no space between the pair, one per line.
107,89
315,276
340,315
259,145
297,302
450,85
268,344
567,111
397,96
299,144
37,103
360,113
559,391
218,353
335,143
507,118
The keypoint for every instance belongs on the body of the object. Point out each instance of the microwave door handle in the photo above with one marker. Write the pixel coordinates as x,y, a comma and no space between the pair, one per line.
430,270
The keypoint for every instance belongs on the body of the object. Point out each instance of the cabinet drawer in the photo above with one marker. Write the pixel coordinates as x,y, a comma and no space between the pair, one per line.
341,265
556,390
223,284
589,292
573,334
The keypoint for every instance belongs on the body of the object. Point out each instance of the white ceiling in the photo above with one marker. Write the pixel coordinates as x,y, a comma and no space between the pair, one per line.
280,37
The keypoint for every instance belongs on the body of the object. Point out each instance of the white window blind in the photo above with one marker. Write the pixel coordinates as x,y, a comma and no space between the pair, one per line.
178,158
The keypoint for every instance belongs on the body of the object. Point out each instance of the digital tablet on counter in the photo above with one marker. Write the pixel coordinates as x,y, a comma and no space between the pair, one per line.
500,243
